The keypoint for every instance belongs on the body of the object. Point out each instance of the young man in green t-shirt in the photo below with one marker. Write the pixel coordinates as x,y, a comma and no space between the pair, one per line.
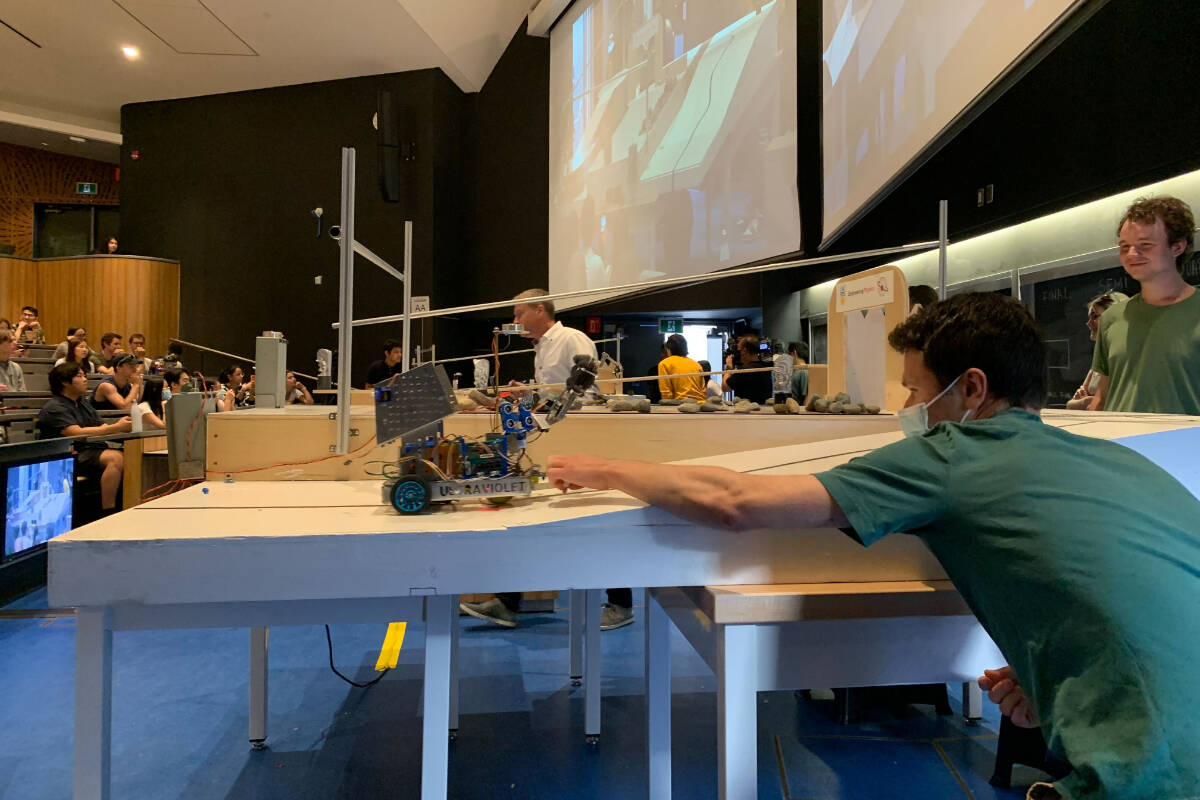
1079,556
1148,349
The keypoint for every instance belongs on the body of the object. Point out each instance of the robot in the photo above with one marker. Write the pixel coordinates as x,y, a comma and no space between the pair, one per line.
433,468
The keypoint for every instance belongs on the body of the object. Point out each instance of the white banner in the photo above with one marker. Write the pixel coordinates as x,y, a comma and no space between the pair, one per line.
866,292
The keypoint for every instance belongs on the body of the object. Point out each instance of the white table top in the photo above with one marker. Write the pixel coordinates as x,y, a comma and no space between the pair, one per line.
307,540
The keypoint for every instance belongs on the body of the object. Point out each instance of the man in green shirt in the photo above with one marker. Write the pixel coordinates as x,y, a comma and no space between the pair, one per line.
1148,349
1079,556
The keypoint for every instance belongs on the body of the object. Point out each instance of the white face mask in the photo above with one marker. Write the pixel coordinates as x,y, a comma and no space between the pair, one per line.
166,394
914,420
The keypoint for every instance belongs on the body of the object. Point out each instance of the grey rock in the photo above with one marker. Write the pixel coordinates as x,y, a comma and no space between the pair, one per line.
641,405
620,404
842,397
793,406
745,407
851,408
689,408
835,407
710,407
871,409
820,405
670,401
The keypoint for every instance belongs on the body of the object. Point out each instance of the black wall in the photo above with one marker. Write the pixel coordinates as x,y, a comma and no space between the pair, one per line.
225,183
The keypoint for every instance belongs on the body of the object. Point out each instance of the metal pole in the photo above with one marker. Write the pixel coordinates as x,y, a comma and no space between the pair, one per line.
943,233
1016,282
408,281
346,301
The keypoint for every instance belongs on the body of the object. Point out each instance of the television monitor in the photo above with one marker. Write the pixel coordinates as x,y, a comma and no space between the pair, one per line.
38,494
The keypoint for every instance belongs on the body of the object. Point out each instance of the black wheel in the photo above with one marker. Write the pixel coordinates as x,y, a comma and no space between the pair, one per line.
410,495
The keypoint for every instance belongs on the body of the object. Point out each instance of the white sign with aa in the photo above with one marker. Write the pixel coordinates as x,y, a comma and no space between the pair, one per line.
419,304
866,292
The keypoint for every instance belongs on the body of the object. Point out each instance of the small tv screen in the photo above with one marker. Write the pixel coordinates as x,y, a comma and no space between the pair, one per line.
37,503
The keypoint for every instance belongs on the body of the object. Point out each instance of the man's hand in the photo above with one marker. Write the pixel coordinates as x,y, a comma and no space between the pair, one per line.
3,387
578,471
123,425
1004,690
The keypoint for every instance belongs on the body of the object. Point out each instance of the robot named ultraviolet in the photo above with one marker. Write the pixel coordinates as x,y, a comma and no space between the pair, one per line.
435,468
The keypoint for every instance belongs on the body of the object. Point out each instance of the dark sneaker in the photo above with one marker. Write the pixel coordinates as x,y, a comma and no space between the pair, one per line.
491,610
615,617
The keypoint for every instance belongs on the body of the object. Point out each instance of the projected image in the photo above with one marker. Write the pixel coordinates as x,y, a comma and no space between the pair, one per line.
896,72
672,138
38,503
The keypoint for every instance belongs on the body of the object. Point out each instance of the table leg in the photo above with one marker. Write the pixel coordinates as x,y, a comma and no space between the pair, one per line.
258,688
658,699
454,631
591,668
577,603
435,752
93,704
737,713
972,700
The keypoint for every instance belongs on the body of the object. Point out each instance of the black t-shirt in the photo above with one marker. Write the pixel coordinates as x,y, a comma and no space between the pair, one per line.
104,405
59,413
379,372
756,386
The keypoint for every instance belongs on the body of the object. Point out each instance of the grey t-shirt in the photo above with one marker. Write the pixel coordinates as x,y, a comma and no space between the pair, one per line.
12,376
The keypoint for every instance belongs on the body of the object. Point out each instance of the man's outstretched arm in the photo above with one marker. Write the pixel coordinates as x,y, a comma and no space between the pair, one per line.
711,496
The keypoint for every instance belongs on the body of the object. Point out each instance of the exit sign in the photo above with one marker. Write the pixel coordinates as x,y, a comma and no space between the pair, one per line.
670,326
86,188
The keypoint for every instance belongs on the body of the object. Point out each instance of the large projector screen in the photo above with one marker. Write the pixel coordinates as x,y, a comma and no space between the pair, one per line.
896,73
672,139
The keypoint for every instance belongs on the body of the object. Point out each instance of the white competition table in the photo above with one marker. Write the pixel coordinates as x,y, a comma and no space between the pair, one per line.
257,554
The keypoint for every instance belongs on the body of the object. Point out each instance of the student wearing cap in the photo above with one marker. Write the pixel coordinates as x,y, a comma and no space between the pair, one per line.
122,390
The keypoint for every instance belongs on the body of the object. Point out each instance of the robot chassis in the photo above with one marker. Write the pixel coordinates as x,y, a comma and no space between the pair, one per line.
433,468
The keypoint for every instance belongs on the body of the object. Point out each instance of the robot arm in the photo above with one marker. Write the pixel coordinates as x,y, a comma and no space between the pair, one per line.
581,378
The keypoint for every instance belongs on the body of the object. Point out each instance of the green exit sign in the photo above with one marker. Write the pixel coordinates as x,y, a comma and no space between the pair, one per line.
86,188
670,326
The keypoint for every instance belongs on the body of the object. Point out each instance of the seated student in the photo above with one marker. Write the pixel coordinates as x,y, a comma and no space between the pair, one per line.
68,413
29,330
122,390
79,353
137,346
77,332
799,353
678,363
110,345
5,325
173,357
391,363
148,414
176,379
237,393
295,391
12,378
712,388
755,386
1079,556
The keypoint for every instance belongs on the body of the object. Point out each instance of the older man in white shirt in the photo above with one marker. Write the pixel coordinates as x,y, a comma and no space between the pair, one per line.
555,347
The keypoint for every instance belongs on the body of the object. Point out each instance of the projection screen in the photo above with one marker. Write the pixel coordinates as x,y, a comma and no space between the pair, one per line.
672,139
896,73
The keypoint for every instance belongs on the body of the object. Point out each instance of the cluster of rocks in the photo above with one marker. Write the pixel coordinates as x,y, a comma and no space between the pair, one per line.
638,403
737,407
839,403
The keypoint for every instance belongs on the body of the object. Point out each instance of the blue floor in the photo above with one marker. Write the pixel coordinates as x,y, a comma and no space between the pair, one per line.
180,716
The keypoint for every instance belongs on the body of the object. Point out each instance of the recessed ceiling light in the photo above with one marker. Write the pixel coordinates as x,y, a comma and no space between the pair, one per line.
77,139
130,52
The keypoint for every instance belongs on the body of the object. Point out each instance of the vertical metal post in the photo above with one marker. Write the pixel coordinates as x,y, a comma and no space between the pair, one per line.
408,280
346,301
943,234
1016,282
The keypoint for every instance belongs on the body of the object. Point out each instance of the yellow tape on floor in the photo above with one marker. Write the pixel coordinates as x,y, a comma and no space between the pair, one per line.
389,654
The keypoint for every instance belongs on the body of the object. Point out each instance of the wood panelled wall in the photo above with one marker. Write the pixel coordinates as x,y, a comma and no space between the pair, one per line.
123,294
29,176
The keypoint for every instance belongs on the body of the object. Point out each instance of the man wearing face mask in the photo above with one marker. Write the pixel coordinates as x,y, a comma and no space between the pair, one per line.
1079,556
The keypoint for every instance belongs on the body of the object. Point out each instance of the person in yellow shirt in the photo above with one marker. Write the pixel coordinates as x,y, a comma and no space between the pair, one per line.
678,363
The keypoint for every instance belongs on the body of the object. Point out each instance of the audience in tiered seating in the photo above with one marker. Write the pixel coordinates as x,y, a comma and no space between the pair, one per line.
137,346
78,332
29,330
297,392
68,413
78,352
110,345
12,379
123,389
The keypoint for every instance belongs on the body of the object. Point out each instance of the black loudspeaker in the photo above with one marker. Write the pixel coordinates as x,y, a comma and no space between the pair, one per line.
397,151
